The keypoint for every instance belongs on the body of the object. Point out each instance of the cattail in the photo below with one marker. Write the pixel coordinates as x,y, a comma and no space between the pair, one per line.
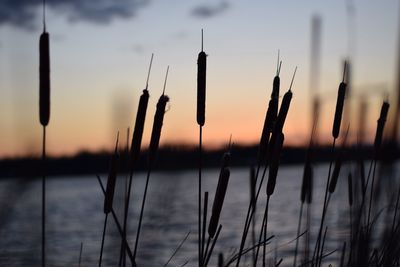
44,78
283,111
335,174
218,201
140,119
201,84
339,106
139,126
270,119
274,165
381,125
157,124
350,185
112,178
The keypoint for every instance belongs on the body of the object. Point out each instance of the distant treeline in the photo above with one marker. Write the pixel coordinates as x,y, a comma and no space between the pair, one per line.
171,158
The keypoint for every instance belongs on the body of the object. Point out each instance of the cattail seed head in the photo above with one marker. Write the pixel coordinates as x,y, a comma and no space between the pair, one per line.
157,125
112,178
381,125
274,164
275,87
139,126
283,111
44,79
339,110
201,87
335,175
350,187
218,201
270,119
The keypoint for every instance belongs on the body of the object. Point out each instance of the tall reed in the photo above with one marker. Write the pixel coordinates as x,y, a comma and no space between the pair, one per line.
136,145
200,116
44,114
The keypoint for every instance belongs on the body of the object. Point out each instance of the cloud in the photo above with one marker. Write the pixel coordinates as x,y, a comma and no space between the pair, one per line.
23,13
207,11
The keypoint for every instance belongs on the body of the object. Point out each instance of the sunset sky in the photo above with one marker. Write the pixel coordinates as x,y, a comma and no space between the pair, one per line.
100,51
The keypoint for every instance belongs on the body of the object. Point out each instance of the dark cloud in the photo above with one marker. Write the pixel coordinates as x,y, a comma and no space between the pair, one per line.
23,13
207,11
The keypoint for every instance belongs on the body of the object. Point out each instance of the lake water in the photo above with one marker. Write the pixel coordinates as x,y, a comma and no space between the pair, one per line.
75,215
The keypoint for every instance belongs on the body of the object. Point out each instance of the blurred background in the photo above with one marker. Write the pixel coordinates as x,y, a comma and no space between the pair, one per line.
100,53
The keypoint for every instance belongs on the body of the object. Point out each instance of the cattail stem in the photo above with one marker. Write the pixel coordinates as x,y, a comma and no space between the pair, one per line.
252,198
200,240
44,198
260,237
371,197
141,213
308,235
204,224
317,244
351,235
250,214
298,233
203,261
322,247
102,239
212,246
177,248
395,212
265,230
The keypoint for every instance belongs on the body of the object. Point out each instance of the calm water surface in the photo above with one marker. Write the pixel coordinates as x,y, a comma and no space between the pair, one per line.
75,215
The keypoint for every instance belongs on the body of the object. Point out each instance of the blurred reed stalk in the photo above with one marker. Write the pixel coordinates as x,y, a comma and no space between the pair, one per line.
154,144
201,105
